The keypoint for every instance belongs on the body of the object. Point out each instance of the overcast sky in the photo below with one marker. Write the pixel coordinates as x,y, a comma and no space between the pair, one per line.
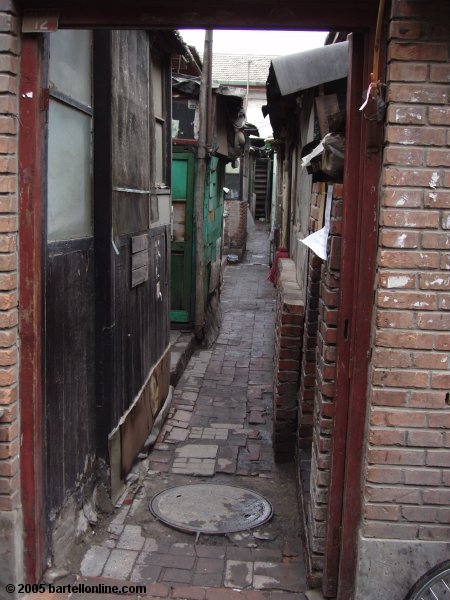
256,42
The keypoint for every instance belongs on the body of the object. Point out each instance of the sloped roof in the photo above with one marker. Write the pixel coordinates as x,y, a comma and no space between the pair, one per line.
303,70
234,68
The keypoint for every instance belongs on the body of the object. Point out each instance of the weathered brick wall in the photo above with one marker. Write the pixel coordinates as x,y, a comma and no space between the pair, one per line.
308,361
10,527
288,340
325,388
407,476
235,226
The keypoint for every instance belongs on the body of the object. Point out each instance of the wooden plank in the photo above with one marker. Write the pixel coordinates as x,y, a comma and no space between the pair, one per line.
326,105
134,431
291,14
139,243
139,276
138,421
322,204
140,259
104,261
30,314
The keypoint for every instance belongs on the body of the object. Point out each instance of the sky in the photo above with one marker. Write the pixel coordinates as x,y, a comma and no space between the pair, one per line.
256,42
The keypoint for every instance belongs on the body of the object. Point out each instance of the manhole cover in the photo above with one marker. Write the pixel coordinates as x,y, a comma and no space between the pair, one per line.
210,508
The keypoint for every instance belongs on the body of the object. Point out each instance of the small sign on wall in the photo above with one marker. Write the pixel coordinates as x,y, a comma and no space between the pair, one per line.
40,22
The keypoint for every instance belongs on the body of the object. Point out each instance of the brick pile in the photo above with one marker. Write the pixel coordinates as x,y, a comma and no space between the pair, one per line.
288,339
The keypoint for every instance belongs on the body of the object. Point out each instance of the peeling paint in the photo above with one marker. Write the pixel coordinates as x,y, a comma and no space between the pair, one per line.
397,281
401,240
434,181
438,281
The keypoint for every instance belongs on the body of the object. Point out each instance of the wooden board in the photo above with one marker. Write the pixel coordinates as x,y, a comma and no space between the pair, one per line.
326,105
70,397
137,423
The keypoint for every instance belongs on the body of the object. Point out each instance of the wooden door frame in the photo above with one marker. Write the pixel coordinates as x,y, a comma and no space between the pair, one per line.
356,293
31,304
358,268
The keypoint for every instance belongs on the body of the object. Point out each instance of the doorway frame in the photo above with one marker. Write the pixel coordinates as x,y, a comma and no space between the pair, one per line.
357,294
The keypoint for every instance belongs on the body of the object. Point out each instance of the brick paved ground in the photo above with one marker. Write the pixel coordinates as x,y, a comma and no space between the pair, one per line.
218,430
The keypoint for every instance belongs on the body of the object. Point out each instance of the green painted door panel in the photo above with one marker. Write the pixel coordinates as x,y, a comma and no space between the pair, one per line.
183,167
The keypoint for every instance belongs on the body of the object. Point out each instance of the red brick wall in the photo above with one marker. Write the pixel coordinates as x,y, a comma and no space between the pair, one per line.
235,225
308,364
407,477
10,515
9,425
288,340
325,389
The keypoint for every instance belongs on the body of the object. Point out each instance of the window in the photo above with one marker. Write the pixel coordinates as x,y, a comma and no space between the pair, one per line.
69,196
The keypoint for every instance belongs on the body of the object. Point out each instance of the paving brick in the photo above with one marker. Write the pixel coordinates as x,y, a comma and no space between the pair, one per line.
207,579
94,560
238,574
208,551
146,573
172,575
119,564
185,592
131,538
209,565
194,466
197,451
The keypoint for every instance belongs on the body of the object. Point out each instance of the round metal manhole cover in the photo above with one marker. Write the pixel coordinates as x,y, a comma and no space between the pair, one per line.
210,508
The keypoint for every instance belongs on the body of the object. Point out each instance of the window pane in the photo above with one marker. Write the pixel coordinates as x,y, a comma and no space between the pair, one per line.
158,87
69,174
70,64
160,153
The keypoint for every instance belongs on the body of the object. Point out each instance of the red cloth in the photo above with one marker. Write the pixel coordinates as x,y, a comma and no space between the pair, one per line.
273,273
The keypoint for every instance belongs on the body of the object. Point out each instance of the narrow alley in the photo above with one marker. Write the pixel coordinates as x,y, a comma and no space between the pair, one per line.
218,431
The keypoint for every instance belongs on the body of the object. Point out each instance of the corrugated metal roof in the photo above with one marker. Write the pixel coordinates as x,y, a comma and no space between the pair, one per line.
233,68
304,70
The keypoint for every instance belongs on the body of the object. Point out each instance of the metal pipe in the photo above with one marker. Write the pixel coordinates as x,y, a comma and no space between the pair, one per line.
200,191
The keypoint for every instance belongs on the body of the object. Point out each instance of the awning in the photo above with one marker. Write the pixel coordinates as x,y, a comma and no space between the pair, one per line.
303,70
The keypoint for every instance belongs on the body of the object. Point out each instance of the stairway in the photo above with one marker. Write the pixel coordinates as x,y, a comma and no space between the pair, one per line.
261,188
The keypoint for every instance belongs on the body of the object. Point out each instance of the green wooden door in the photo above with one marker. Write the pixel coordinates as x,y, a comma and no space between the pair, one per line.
183,166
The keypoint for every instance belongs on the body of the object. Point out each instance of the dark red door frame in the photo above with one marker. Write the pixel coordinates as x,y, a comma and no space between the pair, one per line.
358,265
30,314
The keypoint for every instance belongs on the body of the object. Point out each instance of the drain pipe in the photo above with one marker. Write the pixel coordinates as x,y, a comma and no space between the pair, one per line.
203,110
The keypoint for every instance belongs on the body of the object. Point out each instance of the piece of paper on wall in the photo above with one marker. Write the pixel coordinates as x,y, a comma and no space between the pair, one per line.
317,241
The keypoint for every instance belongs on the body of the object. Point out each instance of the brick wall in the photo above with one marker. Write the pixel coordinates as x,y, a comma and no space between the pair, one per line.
308,362
325,389
10,528
235,226
407,476
288,339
